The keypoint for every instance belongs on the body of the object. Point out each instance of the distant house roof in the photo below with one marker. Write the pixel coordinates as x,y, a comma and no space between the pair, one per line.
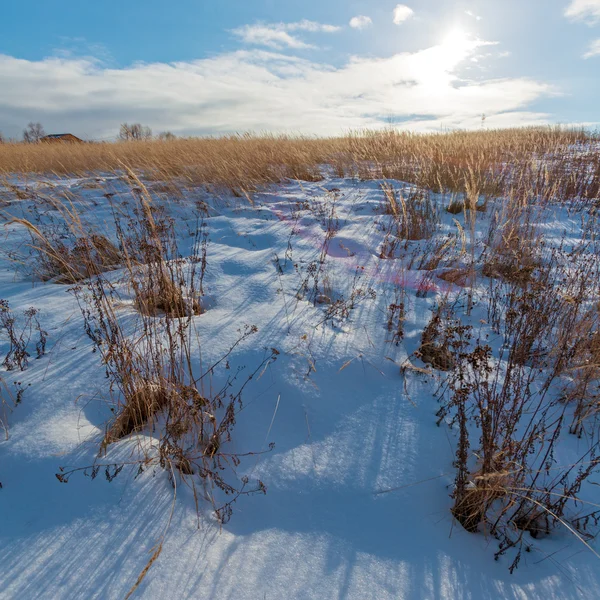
61,137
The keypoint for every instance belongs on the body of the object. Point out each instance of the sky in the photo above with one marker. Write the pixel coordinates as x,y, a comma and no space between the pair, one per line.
312,67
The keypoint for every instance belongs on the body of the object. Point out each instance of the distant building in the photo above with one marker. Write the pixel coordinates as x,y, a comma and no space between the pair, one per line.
61,137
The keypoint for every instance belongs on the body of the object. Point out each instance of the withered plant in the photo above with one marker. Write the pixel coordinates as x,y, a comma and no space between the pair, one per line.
434,349
165,400
20,331
511,416
413,217
515,244
67,251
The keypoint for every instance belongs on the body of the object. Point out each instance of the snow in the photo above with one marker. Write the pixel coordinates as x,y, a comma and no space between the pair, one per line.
359,480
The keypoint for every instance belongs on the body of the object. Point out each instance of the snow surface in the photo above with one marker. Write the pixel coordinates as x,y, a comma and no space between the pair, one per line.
357,504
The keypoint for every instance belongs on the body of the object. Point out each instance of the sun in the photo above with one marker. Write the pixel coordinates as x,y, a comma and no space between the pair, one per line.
437,63
455,38
456,45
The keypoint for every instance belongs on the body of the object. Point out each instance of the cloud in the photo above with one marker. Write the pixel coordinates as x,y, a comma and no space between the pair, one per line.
583,10
276,35
360,22
593,50
261,90
402,13
313,26
268,35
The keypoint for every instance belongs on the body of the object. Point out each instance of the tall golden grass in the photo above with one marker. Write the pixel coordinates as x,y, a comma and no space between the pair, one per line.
482,161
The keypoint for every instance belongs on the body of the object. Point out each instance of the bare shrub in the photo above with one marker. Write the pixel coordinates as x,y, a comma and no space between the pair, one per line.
507,408
148,399
161,281
159,296
20,333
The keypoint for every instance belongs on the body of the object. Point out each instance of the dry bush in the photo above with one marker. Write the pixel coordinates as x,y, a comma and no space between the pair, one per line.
316,285
20,331
439,251
434,349
583,389
159,387
89,256
414,217
508,413
68,252
459,276
514,242
160,279
160,392
396,313
579,328
159,296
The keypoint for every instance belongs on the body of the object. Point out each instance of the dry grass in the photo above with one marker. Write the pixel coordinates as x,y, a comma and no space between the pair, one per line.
164,403
415,216
434,349
537,159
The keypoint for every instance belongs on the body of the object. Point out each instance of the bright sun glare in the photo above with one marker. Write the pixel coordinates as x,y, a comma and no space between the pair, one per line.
456,44
438,62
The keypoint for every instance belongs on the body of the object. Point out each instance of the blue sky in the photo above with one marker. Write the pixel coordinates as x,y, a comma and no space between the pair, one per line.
322,67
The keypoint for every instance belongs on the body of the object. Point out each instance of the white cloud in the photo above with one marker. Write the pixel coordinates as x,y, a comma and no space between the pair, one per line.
276,35
402,13
267,35
360,22
593,50
261,90
306,25
579,10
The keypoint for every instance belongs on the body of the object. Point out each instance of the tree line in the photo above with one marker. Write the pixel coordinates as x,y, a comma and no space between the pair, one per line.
133,132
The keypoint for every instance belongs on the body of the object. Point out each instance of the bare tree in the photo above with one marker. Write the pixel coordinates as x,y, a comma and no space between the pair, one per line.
2,138
166,136
34,133
134,132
